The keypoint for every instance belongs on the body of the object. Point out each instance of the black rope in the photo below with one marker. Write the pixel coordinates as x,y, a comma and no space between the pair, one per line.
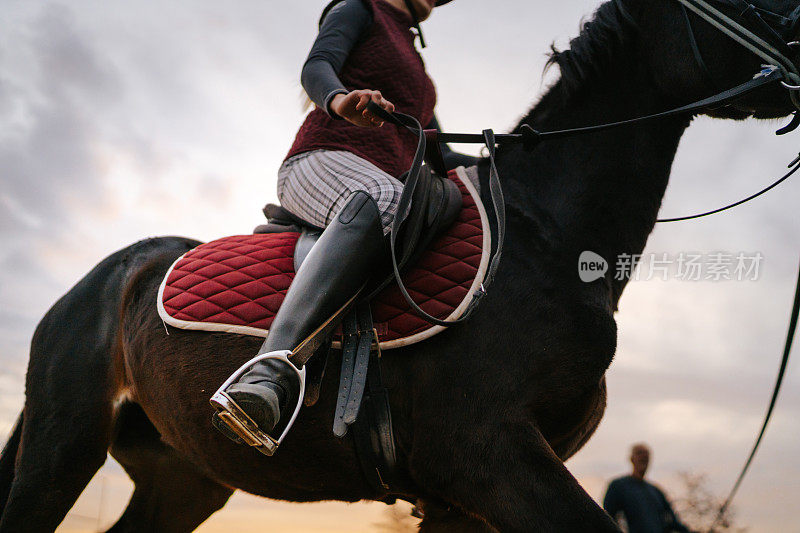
786,349
786,176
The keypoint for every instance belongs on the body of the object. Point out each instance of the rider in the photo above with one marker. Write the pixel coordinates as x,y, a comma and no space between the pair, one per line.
340,175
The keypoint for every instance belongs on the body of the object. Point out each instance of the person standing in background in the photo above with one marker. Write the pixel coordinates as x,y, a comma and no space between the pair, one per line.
643,505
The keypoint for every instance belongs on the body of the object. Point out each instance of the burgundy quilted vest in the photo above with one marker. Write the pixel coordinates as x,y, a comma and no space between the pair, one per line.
385,59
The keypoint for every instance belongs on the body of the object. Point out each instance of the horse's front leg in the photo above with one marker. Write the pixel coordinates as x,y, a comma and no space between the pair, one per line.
508,474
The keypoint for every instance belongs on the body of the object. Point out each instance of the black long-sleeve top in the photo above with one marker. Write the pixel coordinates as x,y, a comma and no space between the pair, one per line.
339,32
645,507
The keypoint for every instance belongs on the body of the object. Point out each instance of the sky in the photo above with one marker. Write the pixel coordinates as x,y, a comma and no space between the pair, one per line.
127,120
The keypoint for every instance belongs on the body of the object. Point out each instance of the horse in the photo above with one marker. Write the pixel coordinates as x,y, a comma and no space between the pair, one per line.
484,414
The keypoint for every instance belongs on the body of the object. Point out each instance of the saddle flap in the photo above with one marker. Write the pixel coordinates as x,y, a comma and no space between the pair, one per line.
444,212
436,205
414,224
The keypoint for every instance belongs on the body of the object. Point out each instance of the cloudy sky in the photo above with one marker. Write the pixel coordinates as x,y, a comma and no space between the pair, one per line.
129,120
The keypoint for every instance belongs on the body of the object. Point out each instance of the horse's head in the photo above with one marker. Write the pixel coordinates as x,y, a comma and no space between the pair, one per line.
688,57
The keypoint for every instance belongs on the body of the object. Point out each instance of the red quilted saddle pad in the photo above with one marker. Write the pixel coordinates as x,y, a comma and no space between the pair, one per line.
236,284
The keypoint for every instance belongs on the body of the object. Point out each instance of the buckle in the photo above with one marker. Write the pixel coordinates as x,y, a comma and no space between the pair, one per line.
234,417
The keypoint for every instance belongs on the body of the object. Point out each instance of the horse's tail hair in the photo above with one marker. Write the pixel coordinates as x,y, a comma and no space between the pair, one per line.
8,458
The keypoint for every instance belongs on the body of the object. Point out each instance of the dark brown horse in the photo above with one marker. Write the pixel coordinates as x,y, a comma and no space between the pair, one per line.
484,414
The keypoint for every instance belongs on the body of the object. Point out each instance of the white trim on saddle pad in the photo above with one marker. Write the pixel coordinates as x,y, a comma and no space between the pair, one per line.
461,172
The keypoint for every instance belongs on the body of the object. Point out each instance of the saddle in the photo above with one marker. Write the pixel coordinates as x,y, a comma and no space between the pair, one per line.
236,284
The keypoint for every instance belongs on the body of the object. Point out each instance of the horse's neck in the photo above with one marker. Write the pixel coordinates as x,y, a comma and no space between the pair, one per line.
598,192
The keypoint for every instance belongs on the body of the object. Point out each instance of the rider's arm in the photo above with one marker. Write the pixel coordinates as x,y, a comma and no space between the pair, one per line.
339,33
675,522
452,159
612,500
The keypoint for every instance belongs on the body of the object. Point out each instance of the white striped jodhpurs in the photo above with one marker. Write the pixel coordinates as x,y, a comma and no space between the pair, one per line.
314,186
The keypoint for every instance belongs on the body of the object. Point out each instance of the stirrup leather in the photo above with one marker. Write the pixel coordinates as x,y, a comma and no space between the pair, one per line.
240,423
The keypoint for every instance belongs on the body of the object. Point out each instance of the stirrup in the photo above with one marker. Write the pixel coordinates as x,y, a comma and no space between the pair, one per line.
239,422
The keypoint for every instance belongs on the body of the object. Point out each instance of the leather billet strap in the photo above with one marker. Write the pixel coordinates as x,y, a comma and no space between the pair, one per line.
349,347
366,336
358,335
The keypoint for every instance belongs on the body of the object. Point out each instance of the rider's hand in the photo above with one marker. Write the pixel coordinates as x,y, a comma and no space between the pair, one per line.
353,107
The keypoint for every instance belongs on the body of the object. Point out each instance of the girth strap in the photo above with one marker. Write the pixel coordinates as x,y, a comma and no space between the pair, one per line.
372,430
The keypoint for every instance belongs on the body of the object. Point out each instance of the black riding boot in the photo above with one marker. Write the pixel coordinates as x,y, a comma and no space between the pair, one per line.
267,393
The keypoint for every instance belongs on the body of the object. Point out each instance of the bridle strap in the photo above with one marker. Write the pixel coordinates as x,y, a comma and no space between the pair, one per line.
698,55
745,37
750,40
749,13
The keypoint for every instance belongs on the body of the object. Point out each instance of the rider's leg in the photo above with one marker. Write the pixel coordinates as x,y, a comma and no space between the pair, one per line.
337,267
315,186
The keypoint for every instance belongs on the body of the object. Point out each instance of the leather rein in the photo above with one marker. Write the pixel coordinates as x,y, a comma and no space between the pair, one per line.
754,30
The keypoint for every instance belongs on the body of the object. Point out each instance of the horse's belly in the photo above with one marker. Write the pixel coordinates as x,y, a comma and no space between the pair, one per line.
173,376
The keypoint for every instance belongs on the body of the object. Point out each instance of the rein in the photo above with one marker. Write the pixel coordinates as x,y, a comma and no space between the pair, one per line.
787,347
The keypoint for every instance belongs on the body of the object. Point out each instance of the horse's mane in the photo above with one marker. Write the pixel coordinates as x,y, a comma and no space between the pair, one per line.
597,46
